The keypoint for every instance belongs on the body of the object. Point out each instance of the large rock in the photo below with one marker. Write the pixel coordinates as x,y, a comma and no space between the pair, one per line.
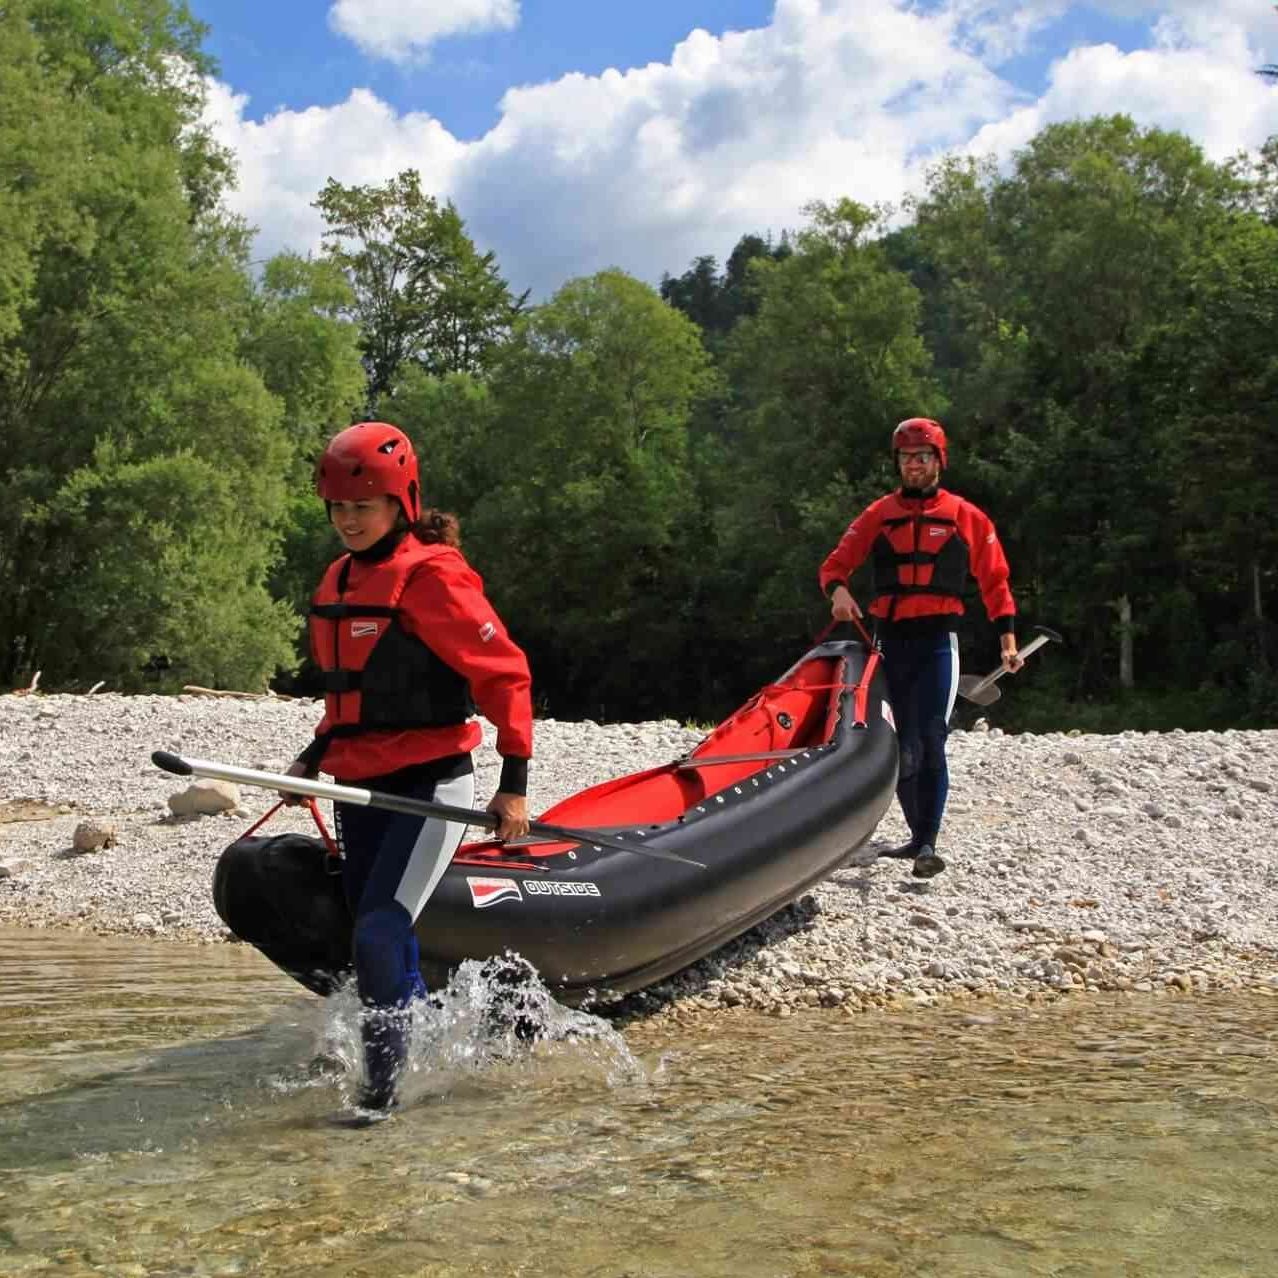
89,836
205,797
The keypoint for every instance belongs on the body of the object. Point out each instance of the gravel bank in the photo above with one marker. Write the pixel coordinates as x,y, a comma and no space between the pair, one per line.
1136,862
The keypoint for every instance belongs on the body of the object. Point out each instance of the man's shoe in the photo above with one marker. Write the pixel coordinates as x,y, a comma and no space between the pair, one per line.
927,864
906,852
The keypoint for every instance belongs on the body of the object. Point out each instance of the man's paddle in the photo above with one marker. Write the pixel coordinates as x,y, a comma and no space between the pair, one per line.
394,803
981,689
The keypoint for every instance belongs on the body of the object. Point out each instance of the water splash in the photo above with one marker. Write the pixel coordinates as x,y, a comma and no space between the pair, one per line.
494,1017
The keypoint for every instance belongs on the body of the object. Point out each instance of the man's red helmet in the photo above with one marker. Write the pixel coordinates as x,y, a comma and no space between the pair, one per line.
920,432
370,459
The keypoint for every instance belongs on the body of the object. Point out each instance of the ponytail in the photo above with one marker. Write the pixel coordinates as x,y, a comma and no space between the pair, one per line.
437,527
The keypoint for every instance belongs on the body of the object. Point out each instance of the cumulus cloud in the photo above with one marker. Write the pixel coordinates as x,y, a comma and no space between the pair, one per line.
404,30
648,167
1221,106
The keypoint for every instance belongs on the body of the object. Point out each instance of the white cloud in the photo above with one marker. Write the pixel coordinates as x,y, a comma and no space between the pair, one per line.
649,167
403,30
1208,91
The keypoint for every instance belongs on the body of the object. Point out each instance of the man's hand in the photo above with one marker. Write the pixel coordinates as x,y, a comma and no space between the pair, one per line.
295,769
842,606
513,811
1012,660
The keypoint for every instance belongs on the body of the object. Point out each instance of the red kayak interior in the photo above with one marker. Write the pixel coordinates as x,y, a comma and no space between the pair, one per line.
796,714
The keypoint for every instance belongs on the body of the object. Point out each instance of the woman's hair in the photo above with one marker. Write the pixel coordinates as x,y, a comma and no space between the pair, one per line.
437,526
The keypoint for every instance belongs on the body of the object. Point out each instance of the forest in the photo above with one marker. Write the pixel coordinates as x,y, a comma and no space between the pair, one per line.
647,474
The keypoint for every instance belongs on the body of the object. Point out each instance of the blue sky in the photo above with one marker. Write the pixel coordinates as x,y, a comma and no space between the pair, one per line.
579,134
283,54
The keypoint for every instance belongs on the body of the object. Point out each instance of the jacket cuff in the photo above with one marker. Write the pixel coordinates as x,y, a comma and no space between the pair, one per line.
514,776
832,586
1005,625
312,756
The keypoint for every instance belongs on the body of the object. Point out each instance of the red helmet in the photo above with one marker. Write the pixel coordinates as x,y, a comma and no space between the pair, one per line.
370,459
920,432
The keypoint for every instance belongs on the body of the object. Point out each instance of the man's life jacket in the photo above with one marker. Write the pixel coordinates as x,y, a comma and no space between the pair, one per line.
375,675
919,550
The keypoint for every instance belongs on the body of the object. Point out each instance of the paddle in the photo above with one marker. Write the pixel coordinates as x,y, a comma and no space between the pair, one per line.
980,688
393,803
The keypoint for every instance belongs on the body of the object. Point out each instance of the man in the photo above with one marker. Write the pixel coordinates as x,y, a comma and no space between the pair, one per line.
922,543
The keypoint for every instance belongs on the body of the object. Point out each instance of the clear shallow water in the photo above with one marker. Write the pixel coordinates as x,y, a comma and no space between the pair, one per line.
157,1117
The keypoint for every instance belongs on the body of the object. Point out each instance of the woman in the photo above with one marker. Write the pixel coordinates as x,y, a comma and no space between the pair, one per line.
404,638
922,543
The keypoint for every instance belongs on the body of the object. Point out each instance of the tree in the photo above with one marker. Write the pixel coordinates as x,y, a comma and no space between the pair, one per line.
124,298
1219,455
583,529
831,360
1065,274
423,294
716,302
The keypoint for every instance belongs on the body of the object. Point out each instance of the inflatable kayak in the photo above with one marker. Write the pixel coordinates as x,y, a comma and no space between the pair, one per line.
768,804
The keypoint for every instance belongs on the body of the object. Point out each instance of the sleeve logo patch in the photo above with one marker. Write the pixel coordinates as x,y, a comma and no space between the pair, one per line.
486,631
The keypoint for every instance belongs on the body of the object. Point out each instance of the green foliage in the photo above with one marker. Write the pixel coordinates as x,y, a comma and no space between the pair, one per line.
583,526
124,303
448,418
423,294
714,301
201,603
306,350
831,360
647,482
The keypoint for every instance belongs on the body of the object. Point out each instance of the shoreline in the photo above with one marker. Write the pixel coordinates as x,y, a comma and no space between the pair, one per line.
1077,863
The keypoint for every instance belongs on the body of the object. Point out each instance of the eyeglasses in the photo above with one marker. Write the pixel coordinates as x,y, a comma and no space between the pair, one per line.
925,456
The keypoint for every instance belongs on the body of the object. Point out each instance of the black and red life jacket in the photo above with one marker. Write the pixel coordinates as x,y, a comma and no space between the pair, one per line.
919,551
375,675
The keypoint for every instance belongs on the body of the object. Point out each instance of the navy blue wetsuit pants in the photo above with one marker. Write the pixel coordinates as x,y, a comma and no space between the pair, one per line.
922,674
392,862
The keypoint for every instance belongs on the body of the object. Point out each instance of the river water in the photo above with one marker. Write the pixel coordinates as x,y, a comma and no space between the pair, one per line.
170,1110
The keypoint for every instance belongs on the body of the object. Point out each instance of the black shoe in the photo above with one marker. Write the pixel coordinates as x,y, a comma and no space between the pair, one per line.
906,852
376,1100
927,864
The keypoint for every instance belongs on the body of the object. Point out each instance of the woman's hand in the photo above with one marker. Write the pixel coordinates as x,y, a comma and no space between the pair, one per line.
842,606
295,769
1012,660
513,811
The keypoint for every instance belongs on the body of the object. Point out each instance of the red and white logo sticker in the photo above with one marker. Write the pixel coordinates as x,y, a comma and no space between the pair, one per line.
887,714
486,631
363,629
486,892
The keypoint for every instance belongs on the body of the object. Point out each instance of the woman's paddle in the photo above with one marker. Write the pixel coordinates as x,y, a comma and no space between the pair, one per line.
395,803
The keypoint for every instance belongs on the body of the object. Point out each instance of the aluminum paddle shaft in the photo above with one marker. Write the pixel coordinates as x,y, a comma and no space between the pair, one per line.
181,767
982,691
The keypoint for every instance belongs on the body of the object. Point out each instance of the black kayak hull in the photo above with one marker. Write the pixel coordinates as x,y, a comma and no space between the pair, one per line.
598,921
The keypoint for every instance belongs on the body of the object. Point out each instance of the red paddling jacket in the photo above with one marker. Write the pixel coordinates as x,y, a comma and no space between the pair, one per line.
921,548
409,646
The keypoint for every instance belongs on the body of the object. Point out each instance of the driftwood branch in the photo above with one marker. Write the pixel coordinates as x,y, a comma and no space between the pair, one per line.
30,688
194,690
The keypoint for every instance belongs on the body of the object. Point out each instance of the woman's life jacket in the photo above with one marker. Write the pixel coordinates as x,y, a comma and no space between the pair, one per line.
921,549
408,646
